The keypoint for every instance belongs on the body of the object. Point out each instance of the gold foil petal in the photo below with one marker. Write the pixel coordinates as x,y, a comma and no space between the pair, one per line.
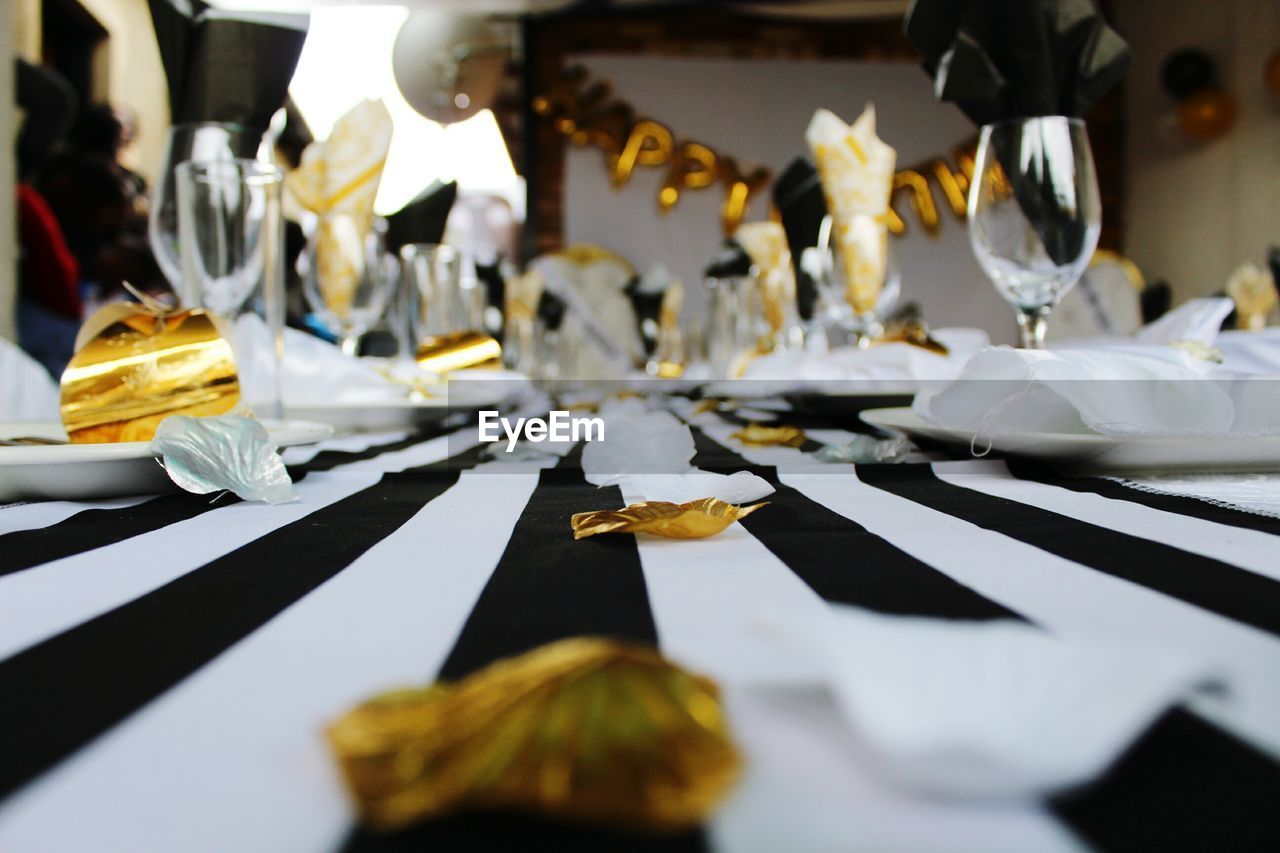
458,351
137,364
693,520
584,728
759,435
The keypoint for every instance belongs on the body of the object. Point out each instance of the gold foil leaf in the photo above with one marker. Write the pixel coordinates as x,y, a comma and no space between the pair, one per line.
693,520
584,729
759,435
137,364
458,351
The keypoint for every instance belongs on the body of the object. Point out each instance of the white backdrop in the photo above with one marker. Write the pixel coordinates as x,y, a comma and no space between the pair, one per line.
757,110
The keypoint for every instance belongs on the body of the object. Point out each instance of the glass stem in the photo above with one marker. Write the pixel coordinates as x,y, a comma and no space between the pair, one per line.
1032,325
351,344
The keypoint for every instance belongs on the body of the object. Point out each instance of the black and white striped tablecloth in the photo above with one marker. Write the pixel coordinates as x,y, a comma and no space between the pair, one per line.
167,664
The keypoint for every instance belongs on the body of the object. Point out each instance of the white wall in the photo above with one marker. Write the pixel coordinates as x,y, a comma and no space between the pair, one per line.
757,111
1194,212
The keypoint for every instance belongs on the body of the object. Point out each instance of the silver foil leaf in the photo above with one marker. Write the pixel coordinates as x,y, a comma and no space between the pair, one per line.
225,453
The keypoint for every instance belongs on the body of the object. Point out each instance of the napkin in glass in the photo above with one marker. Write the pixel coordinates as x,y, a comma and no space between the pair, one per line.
1008,59
226,66
423,219
797,193
856,168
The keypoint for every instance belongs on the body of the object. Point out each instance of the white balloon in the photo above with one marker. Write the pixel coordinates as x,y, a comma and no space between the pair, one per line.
448,66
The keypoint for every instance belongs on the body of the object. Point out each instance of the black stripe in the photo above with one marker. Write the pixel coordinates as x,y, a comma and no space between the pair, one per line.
1185,785
840,559
97,528
1168,503
546,587
62,693
1202,581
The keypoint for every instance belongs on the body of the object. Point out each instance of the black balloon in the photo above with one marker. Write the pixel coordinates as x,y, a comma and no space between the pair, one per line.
1187,71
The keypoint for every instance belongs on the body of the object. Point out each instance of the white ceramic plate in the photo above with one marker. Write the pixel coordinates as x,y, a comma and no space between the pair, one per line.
1101,454
82,471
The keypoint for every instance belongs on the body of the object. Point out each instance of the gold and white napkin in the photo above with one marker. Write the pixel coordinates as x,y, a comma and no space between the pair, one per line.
766,244
856,169
338,180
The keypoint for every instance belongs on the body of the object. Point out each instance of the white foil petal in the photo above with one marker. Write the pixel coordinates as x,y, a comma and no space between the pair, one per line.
225,453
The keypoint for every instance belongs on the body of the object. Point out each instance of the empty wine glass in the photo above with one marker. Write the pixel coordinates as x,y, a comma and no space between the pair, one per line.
231,234
1034,213
199,142
348,276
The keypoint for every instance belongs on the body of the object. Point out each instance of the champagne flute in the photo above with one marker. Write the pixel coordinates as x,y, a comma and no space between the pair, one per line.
196,142
1034,213
231,233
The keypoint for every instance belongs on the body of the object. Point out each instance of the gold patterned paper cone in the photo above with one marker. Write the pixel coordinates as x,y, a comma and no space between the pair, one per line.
766,244
586,729
138,363
338,180
1254,293
759,435
693,520
856,170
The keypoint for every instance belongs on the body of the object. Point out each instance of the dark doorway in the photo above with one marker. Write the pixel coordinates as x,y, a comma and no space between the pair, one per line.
71,36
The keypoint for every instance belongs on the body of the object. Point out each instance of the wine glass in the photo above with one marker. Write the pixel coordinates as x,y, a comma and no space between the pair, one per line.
198,142
348,276
231,236
1034,213
824,265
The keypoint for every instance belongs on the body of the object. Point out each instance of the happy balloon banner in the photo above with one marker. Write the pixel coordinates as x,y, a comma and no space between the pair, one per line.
585,112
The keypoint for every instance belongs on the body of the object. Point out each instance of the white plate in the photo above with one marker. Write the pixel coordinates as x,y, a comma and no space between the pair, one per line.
1101,454
387,415
82,471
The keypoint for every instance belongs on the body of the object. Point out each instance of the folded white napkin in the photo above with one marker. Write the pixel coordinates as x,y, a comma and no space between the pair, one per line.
316,373
839,369
1152,386
648,454
27,392
995,709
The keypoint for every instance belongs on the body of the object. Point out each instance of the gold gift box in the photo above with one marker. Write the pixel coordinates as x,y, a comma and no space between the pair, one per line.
139,363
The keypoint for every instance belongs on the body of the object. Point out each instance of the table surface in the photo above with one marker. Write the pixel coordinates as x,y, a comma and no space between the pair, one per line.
167,664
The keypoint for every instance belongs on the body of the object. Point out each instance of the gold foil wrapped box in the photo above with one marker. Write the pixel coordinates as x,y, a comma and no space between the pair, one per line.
584,729
138,363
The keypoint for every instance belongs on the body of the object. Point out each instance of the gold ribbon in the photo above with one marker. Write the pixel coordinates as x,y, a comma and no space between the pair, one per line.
137,363
584,728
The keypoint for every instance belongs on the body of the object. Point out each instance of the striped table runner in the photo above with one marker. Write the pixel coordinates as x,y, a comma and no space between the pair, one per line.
167,664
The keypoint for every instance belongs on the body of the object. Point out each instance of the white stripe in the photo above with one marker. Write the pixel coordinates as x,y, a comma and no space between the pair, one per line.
357,443
41,602
1249,549
1070,600
40,514
234,757
726,606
